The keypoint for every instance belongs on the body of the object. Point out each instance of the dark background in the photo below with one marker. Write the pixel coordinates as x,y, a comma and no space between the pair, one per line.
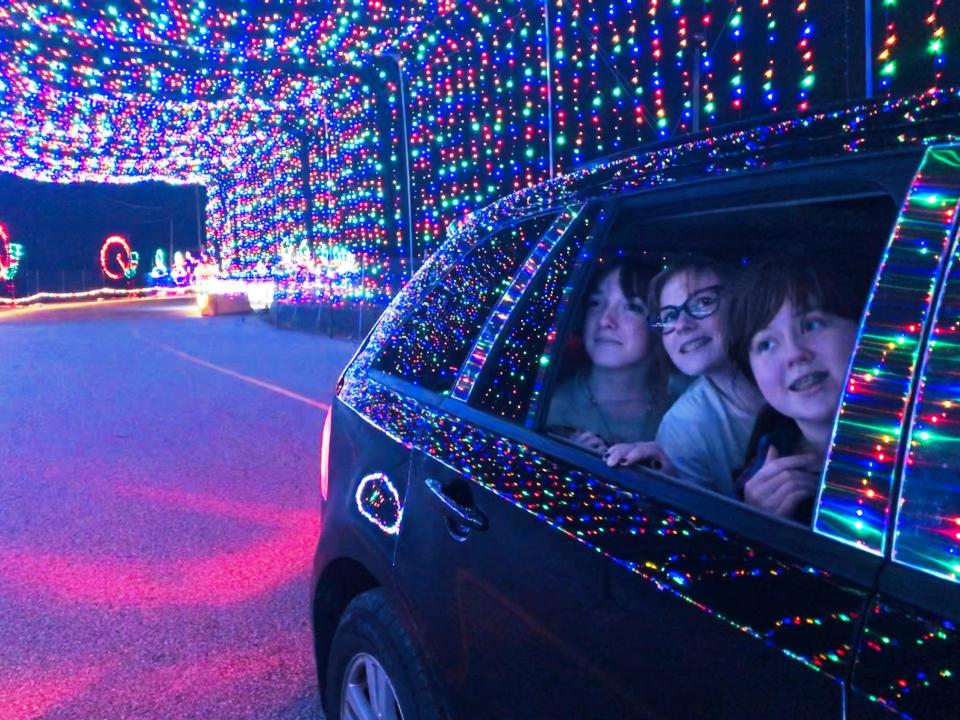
63,226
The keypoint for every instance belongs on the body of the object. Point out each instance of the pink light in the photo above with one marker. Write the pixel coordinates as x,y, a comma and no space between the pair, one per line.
218,580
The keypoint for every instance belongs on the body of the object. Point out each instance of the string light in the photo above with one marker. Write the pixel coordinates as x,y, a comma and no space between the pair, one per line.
10,256
117,260
292,124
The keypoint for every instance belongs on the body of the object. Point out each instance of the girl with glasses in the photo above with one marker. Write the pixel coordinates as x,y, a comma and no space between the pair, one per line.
704,435
619,397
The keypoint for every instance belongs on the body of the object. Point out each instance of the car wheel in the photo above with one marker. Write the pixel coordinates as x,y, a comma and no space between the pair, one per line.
373,671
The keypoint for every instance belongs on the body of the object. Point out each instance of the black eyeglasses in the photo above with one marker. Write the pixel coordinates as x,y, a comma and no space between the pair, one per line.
702,304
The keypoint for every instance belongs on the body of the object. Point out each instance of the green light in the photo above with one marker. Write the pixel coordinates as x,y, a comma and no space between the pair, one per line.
889,69
935,47
807,81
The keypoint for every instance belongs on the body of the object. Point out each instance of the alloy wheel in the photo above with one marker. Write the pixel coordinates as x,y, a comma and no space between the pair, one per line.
368,693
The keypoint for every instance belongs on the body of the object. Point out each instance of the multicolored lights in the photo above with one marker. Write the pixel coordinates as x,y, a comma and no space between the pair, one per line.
10,256
117,260
300,118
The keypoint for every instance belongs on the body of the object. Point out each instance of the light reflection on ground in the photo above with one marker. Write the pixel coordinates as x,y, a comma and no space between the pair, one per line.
159,517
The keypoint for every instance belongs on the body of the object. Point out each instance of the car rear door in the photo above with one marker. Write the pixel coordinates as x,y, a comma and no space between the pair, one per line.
635,595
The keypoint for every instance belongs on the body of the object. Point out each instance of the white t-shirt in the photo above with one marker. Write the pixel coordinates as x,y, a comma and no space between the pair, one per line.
705,435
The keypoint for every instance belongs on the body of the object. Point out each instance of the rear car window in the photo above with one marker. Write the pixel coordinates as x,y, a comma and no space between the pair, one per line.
927,535
431,345
512,377
624,378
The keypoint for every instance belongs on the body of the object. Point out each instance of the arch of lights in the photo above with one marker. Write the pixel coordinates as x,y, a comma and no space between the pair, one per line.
283,112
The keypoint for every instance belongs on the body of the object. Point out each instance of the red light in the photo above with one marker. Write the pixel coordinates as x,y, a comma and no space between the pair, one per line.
325,455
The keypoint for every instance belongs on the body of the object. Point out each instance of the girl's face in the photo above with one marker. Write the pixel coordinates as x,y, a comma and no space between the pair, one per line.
615,331
800,362
694,345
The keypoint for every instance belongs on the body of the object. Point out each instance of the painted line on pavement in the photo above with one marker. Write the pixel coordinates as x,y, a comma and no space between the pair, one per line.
245,378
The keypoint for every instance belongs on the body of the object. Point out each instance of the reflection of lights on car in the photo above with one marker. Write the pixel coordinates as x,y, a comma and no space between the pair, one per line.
379,502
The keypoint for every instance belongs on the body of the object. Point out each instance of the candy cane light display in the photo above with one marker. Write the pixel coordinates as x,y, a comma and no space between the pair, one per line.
117,260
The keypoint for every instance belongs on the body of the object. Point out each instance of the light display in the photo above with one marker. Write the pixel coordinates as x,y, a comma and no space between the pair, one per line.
117,260
10,256
104,293
291,114
159,273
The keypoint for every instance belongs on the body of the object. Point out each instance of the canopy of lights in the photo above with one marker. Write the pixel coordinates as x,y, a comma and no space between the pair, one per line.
337,138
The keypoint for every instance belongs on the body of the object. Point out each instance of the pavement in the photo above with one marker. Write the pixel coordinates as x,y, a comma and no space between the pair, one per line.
159,495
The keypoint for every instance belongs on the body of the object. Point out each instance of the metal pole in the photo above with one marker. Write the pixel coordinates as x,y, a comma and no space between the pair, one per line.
546,46
868,45
360,306
697,59
406,160
327,178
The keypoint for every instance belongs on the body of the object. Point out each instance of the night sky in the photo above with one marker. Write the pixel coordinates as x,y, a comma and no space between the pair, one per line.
61,227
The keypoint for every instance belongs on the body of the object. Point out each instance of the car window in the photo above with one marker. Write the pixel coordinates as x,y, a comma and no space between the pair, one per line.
927,534
513,373
430,346
645,376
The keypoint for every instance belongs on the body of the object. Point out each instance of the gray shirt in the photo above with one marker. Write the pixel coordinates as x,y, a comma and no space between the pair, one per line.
705,434
572,407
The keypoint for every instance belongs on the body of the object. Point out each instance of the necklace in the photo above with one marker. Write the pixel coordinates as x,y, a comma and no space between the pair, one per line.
607,432
643,402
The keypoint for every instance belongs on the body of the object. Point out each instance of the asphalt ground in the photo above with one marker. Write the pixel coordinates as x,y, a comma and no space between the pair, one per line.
158,512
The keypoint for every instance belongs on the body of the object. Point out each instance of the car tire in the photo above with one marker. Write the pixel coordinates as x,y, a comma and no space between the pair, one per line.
371,646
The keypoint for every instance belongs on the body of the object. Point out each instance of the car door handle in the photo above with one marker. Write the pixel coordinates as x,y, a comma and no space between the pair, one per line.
468,518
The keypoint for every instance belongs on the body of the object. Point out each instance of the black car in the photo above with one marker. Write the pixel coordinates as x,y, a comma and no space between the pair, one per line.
474,565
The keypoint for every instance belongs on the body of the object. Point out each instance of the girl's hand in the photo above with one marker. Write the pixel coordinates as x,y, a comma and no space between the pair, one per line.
589,441
643,453
783,483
